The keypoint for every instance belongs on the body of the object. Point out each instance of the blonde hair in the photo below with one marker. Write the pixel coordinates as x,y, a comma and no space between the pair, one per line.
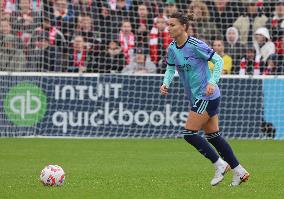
203,7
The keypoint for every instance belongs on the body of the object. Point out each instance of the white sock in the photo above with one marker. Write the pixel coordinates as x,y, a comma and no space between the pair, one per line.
239,169
219,163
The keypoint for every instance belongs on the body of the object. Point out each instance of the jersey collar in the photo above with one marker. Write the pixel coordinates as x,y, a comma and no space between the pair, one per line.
180,47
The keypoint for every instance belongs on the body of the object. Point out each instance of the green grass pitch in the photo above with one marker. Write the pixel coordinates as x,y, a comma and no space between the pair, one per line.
135,169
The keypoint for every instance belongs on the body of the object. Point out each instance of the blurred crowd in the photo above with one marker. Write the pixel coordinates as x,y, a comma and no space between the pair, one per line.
131,36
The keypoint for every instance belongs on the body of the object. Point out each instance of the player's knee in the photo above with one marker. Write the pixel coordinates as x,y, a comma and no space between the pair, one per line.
212,135
188,134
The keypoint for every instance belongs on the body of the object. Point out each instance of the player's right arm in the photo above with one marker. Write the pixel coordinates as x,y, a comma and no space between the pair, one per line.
169,74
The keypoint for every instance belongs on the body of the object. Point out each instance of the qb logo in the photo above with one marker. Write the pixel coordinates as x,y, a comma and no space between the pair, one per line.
25,104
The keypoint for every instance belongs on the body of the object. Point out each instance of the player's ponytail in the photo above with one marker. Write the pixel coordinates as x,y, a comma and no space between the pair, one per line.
191,16
184,19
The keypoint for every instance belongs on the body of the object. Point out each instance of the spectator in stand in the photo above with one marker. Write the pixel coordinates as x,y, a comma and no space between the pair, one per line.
85,29
1,14
88,7
276,26
119,10
129,4
252,19
204,26
159,41
9,6
248,66
142,24
279,44
182,5
36,5
127,40
155,7
6,29
218,47
43,56
25,20
56,37
56,40
263,46
141,64
224,13
111,60
234,48
64,18
170,8
48,10
5,16
14,5
12,59
274,66
124,5
191,30
268,7
80,59
276,23
108,27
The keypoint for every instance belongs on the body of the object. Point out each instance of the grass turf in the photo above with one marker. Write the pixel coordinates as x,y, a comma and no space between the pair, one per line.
135,168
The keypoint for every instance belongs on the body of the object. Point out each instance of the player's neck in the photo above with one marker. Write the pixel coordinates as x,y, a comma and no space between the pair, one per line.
181,39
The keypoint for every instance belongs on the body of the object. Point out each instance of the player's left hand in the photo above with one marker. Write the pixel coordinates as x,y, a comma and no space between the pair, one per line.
210,88
164,90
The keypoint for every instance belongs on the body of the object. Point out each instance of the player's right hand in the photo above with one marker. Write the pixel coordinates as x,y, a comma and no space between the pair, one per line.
164,90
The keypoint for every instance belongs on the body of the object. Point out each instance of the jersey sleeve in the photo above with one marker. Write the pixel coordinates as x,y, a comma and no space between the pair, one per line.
217,70
170,57
170,71
203,51
169,75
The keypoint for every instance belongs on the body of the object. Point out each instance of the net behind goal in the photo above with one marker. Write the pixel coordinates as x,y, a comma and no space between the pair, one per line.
93,68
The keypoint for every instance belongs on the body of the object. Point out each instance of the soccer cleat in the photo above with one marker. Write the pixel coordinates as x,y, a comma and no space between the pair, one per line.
240,177
219,174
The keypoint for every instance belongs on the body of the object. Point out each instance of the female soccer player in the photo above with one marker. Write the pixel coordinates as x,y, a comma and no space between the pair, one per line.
190,57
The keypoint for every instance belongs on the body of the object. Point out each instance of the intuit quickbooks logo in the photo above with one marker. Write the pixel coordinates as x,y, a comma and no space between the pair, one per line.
25,104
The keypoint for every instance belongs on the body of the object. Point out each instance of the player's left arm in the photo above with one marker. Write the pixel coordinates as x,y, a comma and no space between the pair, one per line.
206,53
217,70
216,74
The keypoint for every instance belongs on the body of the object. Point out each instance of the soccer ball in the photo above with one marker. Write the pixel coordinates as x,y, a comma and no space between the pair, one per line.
52,175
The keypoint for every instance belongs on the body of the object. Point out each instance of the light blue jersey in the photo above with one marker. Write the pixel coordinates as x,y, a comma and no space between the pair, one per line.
191,62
